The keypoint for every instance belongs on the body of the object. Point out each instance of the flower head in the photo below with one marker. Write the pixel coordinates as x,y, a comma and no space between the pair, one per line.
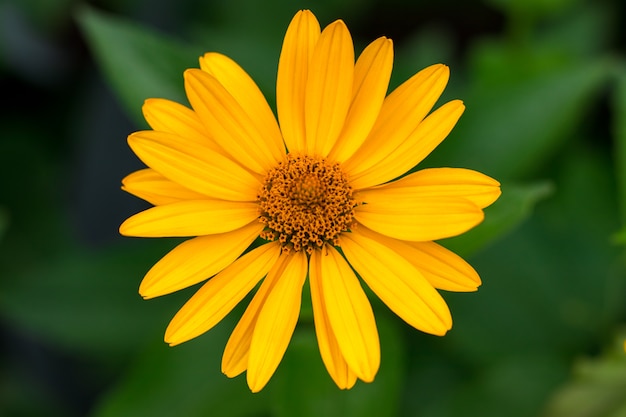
320,190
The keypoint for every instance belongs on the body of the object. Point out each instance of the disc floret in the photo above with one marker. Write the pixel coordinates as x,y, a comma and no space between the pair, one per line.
306,201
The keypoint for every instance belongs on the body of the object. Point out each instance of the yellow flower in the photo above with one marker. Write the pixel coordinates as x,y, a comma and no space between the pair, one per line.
318,188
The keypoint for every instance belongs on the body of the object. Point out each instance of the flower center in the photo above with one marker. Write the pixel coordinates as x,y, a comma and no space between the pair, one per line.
305,202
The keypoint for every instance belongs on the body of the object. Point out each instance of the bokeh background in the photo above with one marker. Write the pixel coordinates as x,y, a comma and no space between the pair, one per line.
544,82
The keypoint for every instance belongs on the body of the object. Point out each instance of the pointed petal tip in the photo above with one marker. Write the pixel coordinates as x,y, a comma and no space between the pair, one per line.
304,12
171,343
202,61
127,177
205,60
349,385
145,292
140,136
495,194
229,372
302,16
255,387
148,102
192,74
469,287
447,326
441,328
131,138
388,42
369,379
338,24
475,282
384,42
174,337
167,338
441,71
208,56
188,73
479,217
123,229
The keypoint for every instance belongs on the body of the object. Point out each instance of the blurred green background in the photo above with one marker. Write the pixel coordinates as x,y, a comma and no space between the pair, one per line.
544,82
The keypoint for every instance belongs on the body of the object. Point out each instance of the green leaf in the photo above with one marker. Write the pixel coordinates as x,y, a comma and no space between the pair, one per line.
138,63
514,206
619,238
184,380
259,59
554,284
88,302
517,383
550,289
303,388
580,32
509,131
595,389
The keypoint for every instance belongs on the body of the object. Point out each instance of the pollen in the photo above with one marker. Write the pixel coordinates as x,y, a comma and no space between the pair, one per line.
306,201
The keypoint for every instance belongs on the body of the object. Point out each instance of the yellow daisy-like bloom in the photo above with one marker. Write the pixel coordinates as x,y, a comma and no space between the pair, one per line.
319,188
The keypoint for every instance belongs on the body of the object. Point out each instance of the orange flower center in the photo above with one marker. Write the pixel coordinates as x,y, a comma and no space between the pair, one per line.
306,201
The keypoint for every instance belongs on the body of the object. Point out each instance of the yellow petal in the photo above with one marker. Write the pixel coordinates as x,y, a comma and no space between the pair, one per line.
329,346
444,269
401,113
276,322
293,69
349,313
153,187
171,117
421,142
245,91
196,260
237,350
398,283
195,166
438,182
418,219
229,125
190,218
371,79
215,299
328,90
